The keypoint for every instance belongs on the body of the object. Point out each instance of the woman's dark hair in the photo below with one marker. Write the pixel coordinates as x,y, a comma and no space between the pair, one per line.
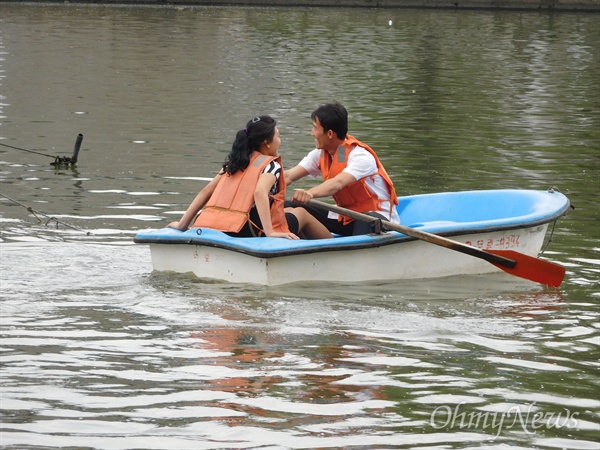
332,116
249,139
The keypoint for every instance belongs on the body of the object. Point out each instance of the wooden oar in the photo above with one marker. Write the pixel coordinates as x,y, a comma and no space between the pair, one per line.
515,263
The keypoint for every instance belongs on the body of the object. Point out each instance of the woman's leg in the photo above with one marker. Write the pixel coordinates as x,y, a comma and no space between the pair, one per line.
308,226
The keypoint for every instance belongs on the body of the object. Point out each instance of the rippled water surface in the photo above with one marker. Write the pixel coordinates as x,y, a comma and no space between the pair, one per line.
97,351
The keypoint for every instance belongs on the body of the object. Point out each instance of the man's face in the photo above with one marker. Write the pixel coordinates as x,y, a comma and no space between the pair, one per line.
321,138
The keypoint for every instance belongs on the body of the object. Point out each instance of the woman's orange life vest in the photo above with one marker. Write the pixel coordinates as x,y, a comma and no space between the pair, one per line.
228,208
355,196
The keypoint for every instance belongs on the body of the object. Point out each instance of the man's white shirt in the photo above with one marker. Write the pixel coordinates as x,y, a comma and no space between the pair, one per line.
361,164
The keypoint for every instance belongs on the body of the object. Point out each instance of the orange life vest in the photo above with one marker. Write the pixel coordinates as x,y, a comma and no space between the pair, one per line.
228,208
355,196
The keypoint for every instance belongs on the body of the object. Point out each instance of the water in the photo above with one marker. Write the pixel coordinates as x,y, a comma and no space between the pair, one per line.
99,352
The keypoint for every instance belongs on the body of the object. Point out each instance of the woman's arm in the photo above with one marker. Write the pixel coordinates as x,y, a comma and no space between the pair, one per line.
261,201
196,205
263,207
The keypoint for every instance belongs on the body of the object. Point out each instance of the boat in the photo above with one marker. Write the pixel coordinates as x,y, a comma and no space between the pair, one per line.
513,220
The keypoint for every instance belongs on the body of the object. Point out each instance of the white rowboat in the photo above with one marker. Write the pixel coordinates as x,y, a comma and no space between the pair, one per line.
508,219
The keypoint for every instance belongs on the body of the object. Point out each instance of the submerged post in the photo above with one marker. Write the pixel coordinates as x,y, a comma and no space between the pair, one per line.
76,149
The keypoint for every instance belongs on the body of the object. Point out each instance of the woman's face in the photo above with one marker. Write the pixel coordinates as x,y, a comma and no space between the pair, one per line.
273,149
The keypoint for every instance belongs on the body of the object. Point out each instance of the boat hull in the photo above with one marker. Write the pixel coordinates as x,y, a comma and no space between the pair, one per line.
389,256
409,260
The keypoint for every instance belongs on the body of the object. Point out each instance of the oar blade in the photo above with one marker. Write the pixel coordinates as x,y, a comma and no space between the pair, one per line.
528,267
531,268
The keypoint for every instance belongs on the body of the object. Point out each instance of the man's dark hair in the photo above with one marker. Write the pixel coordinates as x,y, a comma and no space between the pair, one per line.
332,116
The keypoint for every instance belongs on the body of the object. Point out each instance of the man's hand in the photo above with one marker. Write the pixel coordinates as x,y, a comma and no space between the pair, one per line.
302,197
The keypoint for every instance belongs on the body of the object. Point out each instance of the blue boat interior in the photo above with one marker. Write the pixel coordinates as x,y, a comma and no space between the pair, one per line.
479,209
445,214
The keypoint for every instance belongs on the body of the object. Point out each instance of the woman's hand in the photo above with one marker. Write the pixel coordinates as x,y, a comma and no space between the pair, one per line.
176,225
279,234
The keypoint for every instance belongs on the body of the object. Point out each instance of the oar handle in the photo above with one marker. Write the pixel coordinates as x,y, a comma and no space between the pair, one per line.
418,234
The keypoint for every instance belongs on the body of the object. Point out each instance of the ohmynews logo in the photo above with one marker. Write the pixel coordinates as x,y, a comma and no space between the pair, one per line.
516,417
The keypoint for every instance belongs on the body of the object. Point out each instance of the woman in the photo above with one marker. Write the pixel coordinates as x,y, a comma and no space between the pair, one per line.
246,197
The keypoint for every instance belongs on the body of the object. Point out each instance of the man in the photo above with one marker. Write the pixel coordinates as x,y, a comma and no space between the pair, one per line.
351,171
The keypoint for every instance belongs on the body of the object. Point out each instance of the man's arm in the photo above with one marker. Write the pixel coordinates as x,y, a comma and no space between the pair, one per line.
325,189
295,173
